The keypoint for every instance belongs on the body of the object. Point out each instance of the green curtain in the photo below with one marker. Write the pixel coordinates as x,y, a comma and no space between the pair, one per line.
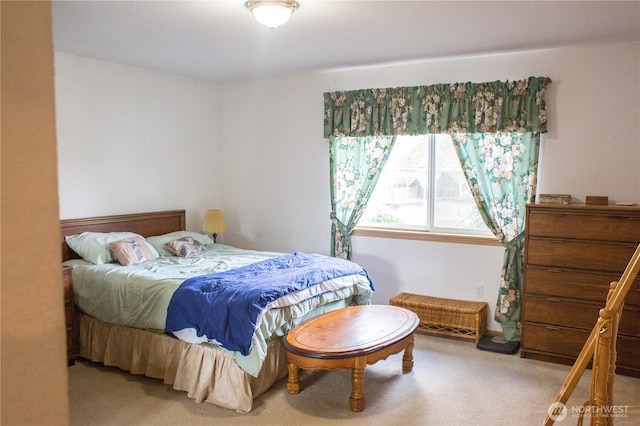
355,165
499,106
501,170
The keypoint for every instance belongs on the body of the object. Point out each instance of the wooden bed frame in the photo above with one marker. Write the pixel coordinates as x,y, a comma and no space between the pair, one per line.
206,373
145,224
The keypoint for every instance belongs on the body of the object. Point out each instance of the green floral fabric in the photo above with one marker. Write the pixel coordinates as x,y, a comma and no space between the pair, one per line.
499,106
501,170
355,165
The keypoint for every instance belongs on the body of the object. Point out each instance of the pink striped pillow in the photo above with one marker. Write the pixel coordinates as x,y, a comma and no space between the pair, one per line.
131,251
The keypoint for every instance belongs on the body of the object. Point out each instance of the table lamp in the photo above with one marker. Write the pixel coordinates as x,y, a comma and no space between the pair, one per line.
213,223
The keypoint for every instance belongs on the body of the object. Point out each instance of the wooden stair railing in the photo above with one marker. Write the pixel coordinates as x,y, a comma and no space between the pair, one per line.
601,342
603,368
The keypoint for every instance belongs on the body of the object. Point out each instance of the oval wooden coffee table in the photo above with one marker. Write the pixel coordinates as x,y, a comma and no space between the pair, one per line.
350,338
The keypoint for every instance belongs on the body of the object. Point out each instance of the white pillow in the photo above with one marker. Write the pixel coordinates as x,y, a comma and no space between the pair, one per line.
94,246
158,242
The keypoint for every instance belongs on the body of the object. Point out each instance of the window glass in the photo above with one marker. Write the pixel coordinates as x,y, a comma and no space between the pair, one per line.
422,187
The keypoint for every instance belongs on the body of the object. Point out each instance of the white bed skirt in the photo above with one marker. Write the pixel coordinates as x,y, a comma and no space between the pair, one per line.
203,371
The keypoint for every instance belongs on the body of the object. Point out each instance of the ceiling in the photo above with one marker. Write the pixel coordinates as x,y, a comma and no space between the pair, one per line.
220,40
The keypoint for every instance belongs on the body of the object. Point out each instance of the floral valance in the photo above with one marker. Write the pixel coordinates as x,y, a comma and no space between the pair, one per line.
506,106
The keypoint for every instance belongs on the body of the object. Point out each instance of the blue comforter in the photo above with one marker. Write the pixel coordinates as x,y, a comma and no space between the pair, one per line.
226,306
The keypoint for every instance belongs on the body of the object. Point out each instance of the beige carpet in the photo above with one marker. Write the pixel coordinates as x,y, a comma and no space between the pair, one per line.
452,383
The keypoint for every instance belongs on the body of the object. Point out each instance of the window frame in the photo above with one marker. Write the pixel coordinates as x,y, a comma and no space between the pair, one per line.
429,233
424,235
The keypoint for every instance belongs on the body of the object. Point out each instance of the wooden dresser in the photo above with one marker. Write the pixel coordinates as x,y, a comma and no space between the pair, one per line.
572,253
70,318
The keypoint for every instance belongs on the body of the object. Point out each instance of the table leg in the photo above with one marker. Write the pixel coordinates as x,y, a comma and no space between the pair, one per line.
293,381
407,358
357,401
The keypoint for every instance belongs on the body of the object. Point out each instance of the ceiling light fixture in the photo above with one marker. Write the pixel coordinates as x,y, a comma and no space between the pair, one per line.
272,13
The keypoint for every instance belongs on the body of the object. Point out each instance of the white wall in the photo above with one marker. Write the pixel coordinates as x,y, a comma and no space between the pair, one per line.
132,140
258,151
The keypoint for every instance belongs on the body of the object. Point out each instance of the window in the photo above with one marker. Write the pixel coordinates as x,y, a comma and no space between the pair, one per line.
422,187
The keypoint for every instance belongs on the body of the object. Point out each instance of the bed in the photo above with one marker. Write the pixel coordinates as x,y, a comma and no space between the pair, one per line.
131,334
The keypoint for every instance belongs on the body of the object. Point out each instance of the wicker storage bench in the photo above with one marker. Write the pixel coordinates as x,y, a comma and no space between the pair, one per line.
446,317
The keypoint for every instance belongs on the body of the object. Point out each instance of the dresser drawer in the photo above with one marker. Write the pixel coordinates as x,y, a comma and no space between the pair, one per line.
610,257
72,337
577,314
630,322
591,286
66,285
620,226
628,351
568,342
68,316
555,339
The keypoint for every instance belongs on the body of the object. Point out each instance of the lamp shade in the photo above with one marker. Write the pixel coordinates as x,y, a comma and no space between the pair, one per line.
272,13
213,222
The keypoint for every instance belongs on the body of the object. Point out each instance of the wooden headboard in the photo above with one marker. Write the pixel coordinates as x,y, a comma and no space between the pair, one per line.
145,224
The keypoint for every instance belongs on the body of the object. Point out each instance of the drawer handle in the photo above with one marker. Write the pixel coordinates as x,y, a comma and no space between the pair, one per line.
550,327
631,308
555,271
553,299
